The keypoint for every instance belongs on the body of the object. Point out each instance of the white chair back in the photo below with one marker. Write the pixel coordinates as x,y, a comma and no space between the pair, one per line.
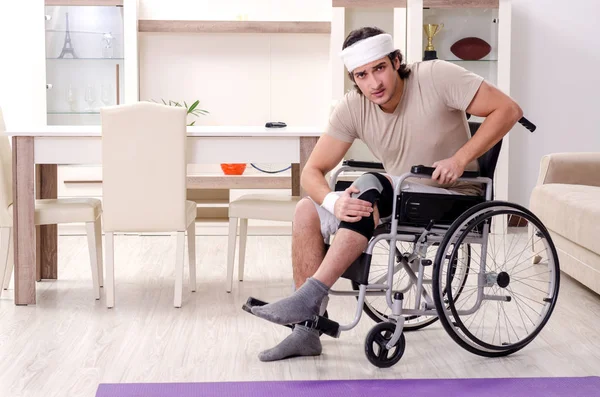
6,192
144,167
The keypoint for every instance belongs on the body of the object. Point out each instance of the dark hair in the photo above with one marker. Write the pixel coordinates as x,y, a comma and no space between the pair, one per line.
363,33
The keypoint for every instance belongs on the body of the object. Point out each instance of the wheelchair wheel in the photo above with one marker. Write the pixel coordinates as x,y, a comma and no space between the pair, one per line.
376,307
375,346
508,300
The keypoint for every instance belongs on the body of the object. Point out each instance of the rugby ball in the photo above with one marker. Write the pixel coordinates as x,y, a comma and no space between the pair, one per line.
471,48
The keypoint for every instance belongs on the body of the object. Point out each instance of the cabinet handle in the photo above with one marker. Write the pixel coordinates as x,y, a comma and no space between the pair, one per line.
47,17
48,86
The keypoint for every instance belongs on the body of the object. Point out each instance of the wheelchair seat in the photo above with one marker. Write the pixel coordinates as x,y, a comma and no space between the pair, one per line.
419,209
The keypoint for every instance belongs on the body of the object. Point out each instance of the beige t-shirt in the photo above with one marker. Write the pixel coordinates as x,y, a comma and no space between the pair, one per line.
428,125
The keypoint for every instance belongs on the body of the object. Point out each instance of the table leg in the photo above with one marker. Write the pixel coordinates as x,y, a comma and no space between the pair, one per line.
307,144
47,235
295,179
23,220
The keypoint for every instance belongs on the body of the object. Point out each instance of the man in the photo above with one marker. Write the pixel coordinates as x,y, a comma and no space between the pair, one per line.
406,115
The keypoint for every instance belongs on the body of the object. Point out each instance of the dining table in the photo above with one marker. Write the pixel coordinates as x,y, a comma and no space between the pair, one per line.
37,152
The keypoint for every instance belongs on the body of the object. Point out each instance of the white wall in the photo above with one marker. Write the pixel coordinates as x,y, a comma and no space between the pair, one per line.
22,69
240,78
253,10
555,77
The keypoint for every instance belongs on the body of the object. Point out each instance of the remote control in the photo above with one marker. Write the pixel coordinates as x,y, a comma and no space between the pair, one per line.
275,124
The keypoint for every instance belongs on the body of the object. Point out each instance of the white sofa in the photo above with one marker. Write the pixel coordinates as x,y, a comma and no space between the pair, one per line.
567,201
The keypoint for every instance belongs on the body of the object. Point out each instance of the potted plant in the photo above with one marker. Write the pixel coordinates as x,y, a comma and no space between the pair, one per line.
228,169
192,109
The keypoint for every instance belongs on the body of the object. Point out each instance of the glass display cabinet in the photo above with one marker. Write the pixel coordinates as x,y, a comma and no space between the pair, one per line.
84,62
475,34
472,34
85,59
465,36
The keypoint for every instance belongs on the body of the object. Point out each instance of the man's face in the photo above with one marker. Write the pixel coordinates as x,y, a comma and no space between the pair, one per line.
377,80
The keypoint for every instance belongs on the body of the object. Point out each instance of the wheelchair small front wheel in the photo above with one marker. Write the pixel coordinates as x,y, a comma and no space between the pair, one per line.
376,346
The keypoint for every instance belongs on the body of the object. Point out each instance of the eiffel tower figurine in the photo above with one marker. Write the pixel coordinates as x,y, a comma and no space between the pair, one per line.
67,48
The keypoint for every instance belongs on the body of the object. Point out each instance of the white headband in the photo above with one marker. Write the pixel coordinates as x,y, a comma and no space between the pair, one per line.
367,50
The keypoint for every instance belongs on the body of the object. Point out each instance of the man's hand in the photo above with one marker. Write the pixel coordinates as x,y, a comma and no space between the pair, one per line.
350,209
447,171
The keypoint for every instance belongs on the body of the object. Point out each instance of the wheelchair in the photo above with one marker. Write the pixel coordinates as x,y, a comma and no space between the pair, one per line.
488,270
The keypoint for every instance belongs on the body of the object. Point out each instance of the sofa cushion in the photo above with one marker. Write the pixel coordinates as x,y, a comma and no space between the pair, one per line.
573,211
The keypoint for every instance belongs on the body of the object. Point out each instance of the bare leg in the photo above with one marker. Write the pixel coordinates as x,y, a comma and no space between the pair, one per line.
308,251
308,248
347,247
306,301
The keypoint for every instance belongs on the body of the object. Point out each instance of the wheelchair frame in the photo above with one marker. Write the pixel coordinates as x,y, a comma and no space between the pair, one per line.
400,233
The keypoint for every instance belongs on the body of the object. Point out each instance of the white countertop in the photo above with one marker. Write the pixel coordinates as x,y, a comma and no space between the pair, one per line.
193,131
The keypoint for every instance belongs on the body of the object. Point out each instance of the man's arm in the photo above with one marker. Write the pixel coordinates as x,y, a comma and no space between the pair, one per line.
501,113
328,153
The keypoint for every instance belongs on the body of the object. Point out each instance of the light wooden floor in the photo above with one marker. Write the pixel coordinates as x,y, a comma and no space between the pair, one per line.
69,343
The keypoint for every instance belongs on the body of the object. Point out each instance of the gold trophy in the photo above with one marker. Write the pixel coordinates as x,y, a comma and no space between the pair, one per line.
431,30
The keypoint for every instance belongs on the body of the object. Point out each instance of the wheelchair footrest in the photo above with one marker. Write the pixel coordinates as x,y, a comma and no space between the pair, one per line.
319,323
251,302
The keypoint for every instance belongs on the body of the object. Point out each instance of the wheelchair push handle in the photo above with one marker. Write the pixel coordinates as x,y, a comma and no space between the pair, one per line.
527,124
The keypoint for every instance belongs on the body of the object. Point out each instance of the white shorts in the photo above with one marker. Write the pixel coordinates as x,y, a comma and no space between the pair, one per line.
330,224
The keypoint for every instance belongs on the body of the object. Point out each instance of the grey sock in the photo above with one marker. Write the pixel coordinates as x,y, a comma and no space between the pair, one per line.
303,341
300,306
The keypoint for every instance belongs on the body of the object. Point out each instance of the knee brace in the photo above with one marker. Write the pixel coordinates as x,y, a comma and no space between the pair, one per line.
376,189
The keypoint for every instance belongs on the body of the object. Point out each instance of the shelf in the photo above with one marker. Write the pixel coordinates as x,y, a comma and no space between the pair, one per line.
217,181
461,3
83,2
73,112
82,181
84,59
465,60
177,26
239,182
426,3
211,203
370,3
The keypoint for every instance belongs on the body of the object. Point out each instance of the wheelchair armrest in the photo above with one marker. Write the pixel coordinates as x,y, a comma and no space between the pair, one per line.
422,170
362,164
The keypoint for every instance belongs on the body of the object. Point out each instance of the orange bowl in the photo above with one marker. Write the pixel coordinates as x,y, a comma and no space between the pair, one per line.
233,169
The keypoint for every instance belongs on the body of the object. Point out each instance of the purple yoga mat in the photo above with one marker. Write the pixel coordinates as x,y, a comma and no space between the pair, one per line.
496,387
